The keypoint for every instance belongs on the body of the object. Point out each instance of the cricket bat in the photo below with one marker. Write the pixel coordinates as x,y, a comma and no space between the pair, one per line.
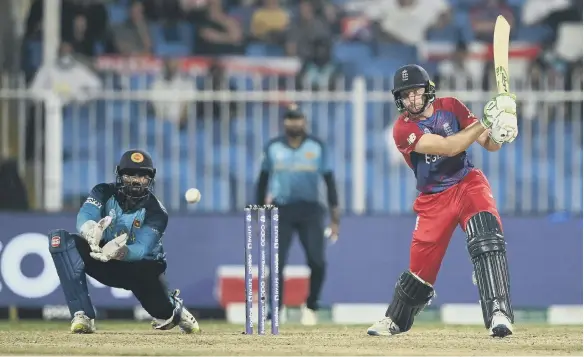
501,53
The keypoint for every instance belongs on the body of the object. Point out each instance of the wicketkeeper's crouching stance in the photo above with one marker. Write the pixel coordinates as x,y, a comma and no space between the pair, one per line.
119,244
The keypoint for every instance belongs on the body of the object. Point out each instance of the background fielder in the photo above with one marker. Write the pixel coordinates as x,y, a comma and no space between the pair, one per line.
294,166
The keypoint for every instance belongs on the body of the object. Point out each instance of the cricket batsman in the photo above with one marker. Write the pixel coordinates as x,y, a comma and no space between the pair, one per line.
433,135
119,244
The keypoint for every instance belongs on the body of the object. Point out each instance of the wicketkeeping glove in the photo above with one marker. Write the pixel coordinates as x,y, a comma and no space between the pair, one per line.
92,232
114,249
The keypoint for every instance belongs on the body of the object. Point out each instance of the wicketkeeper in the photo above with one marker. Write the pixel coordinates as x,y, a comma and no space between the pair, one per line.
119,244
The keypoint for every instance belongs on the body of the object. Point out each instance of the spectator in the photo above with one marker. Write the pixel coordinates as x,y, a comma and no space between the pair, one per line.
162,10
269,23
217,80
483,17
319,72
242,13
68,78
443,30
537,11
81,41
328,12
194,11
97,18
168,13
169,84
406,21
34,22
219,34
133,37
454,74
308,29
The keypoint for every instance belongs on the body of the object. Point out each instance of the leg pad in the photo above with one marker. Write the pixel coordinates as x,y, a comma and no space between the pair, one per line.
411,295
486,246
71,271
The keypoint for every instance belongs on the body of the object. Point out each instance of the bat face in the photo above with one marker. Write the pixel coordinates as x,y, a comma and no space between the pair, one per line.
501,53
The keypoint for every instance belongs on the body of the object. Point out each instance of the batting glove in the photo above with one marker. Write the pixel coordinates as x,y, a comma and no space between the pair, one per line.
114,249
92,232
504,129
502,103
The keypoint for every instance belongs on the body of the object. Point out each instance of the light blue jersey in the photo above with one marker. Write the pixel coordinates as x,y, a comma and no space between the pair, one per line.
144,226
295,173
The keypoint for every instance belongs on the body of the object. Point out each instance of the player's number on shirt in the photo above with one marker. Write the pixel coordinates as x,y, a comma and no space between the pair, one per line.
432,158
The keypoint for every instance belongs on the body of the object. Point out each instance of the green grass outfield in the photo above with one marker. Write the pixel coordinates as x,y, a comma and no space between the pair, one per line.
219,338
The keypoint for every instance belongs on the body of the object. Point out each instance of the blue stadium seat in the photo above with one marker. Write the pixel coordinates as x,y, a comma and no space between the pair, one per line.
170,49
516,3
466,4
187,33
33,54
447,34
258,49
461,20
532,34
117,13
398,52
381,68
351,52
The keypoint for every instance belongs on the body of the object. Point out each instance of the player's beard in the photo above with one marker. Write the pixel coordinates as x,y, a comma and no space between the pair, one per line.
295,132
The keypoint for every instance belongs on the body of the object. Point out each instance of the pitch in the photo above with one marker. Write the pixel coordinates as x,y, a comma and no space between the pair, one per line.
136,338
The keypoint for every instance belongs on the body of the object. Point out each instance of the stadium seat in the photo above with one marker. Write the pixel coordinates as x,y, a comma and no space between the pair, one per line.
258,49
398,52
351,52
532,34
117,13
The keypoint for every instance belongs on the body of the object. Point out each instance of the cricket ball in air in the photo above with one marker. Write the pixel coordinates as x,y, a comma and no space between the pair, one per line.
193,195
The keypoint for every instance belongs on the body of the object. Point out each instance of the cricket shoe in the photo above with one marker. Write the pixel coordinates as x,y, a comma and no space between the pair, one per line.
500,325
180,316
187,324
383,327
308,317
82,324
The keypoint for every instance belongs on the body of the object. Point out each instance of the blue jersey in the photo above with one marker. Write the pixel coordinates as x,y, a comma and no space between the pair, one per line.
435,173
145,226
296,174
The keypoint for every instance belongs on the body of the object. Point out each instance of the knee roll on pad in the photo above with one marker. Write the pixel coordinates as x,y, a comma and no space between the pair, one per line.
486,246
71,271
410,297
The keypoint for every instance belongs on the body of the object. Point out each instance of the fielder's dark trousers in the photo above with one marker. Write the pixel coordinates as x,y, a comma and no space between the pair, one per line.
306,219
145,278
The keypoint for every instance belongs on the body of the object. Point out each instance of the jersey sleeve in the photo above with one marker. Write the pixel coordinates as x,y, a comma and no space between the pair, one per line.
266,159
463,114
93,209
325,160
406,135
149,235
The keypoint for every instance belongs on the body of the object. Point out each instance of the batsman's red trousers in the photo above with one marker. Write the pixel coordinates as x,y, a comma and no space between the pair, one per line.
438,215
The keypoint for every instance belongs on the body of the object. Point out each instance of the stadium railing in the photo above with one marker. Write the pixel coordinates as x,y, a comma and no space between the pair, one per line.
63,149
